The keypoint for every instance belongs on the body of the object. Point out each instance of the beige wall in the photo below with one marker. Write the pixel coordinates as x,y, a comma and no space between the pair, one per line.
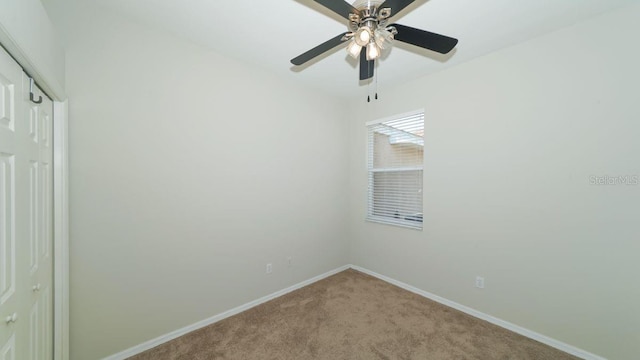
189,173
512,140
30,37
179,199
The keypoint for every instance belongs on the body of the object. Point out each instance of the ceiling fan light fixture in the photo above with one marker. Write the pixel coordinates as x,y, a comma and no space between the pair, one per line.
373,51
354,49
383,38
363,36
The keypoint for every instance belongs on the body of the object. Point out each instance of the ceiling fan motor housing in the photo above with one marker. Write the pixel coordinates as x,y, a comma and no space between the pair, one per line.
360,4
369,15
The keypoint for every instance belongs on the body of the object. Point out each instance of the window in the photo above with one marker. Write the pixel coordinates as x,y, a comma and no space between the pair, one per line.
395,161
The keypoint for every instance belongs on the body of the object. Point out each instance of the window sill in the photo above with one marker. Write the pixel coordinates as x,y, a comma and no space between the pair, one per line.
408,224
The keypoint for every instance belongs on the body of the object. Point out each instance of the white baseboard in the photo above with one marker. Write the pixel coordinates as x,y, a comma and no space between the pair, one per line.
475,313
494,320
200,324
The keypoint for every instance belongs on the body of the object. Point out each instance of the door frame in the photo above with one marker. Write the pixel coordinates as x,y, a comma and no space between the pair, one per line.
61,231
45,80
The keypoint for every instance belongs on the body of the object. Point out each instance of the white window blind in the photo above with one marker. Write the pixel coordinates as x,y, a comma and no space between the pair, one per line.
395,164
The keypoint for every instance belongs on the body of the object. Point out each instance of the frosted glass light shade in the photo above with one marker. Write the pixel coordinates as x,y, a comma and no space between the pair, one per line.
363,35
373,51
383,38
354,49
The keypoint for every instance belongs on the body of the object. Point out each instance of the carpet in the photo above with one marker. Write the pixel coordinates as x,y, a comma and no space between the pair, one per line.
352,316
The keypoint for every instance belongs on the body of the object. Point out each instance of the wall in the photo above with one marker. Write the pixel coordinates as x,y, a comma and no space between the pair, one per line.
28,34
189,173
511,141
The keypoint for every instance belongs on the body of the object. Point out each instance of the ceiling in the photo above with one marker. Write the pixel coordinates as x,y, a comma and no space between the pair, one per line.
270,33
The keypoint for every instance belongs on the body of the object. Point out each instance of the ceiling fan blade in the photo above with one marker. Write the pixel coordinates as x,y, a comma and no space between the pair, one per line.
339,7
425,39
318,50
366,66
395,5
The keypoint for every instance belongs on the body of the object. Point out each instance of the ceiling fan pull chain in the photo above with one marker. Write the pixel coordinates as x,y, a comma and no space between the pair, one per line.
377,71
368,87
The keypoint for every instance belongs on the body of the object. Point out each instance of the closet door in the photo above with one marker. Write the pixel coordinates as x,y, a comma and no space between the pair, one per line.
13,225
26,240
39,295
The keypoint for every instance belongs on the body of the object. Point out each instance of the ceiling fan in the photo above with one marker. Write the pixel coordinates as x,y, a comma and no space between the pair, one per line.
369,32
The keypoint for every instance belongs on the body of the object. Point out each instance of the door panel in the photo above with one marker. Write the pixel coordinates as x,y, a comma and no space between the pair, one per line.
7,96
34,234
34,331
26,218
7,235
12,279
8,351
40,280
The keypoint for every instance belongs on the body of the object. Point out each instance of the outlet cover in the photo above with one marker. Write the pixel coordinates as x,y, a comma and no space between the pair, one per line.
480,282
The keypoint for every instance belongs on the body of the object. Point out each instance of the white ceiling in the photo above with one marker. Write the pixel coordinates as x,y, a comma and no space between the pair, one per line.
270,33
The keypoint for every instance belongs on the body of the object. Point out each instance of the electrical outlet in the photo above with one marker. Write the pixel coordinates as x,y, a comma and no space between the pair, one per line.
480,282
269,268
290,261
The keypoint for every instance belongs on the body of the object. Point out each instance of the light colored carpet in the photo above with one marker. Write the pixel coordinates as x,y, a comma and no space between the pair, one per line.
352,316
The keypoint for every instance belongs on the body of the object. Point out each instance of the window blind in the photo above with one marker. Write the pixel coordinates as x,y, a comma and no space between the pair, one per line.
395,166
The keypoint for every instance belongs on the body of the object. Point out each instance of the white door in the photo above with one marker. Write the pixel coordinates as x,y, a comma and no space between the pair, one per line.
40,267
26,321
12,227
